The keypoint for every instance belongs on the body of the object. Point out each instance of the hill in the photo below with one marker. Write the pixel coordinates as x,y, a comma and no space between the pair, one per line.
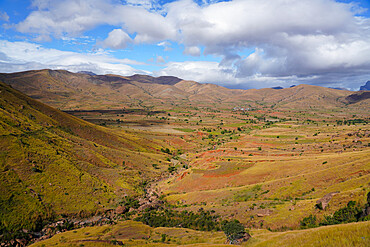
52,163
136,234
72,91
187,155
362,97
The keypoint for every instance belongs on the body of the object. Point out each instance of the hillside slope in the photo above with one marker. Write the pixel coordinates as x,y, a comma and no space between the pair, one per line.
52,163
66,90
136,234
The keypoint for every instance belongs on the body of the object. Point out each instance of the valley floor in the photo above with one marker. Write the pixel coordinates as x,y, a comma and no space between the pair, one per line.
268,168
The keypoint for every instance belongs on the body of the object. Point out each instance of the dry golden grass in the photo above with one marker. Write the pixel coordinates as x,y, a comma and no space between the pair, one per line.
265,167
346,235
136,234
133,233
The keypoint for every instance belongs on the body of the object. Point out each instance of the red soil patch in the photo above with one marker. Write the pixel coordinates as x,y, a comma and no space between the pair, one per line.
363,172
200,134
182,176
221,175
179,142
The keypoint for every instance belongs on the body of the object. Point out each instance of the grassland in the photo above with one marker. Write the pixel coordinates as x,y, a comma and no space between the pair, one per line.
277,172
355,234
130,233
54,164
265,167
267,174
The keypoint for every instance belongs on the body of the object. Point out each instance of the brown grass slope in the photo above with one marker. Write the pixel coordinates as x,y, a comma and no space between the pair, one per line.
131,233
66,90
53,163
301,97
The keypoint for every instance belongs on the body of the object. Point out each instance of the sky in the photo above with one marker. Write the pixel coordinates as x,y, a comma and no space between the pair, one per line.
235,43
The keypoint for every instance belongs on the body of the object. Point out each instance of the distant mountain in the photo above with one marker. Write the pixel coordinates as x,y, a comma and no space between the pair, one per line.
86,72
366,86
277,87
165,80
358,97
338,88
73,91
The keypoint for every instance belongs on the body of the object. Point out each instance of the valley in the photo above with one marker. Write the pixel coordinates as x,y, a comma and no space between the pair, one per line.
266,158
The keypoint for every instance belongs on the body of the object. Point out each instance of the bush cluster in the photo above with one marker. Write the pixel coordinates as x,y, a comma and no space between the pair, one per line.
353,212
202,220
233,230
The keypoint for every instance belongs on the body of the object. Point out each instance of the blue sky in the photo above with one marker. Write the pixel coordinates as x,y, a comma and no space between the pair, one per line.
238,43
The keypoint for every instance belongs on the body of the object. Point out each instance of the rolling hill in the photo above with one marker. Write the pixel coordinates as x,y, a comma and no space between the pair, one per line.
135,234
52,163
71,91
181,143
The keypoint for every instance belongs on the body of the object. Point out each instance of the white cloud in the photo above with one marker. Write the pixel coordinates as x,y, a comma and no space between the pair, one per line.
18,56
166,45
160,59
198,71
150,27
313,40
292,38
4,16
192,50
212,72
70,17
74,17
117,39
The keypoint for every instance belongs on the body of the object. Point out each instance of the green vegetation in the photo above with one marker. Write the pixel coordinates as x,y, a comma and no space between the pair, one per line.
129,202
309,222
39,143
265,167
233,230
353,212
166,150
201,220
248,194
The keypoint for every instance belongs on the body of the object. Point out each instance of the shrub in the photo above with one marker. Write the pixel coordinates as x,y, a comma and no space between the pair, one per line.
233,230
309,222
202,220
130,202
351,213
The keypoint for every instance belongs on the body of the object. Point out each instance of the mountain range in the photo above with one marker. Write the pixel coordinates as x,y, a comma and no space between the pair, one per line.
66,90
366,86
166,143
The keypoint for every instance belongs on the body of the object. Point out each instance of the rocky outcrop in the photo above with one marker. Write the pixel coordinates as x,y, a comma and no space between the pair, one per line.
264,212
324,202
150,201
241,240
120,210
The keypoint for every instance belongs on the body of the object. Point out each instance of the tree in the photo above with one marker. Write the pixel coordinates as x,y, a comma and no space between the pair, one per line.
233,230
309,222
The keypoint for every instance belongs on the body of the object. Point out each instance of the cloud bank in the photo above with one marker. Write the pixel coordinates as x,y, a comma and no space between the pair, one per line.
303,41
20,56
